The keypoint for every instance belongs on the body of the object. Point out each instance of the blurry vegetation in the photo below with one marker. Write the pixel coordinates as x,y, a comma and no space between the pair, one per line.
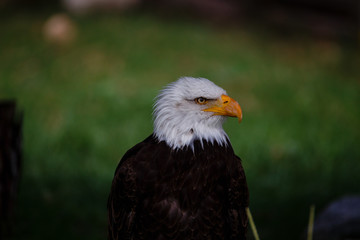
86,103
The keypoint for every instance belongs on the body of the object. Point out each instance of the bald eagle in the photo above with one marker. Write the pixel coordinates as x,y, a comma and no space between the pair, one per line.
184,180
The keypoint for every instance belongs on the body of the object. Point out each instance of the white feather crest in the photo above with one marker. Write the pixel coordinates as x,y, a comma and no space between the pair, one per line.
179,121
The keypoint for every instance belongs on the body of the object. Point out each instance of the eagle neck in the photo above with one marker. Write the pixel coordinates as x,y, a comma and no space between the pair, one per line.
177,138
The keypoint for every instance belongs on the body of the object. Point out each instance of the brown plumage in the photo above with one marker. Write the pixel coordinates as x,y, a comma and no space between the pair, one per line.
160,193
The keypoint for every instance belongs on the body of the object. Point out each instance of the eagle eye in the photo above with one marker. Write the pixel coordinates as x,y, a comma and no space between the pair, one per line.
201,100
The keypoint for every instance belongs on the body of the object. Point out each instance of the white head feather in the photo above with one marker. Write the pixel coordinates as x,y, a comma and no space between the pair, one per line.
178,120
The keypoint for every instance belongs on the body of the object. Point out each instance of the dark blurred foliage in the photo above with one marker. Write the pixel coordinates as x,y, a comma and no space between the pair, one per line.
333,18
29,4
326,18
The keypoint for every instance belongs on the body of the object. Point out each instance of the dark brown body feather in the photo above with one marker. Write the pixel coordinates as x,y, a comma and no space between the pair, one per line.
160,193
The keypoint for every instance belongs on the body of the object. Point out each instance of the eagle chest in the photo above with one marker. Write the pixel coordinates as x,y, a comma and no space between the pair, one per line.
185,183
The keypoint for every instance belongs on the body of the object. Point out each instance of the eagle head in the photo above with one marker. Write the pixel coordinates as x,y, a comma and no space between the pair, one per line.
192,109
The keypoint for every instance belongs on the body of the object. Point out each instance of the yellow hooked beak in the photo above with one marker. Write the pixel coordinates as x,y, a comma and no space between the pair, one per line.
226,106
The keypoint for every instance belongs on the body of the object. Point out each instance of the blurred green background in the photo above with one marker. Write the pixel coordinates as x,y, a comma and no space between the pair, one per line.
87,101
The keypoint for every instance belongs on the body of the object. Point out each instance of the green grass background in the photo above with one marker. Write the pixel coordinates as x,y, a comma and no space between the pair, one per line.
87,103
